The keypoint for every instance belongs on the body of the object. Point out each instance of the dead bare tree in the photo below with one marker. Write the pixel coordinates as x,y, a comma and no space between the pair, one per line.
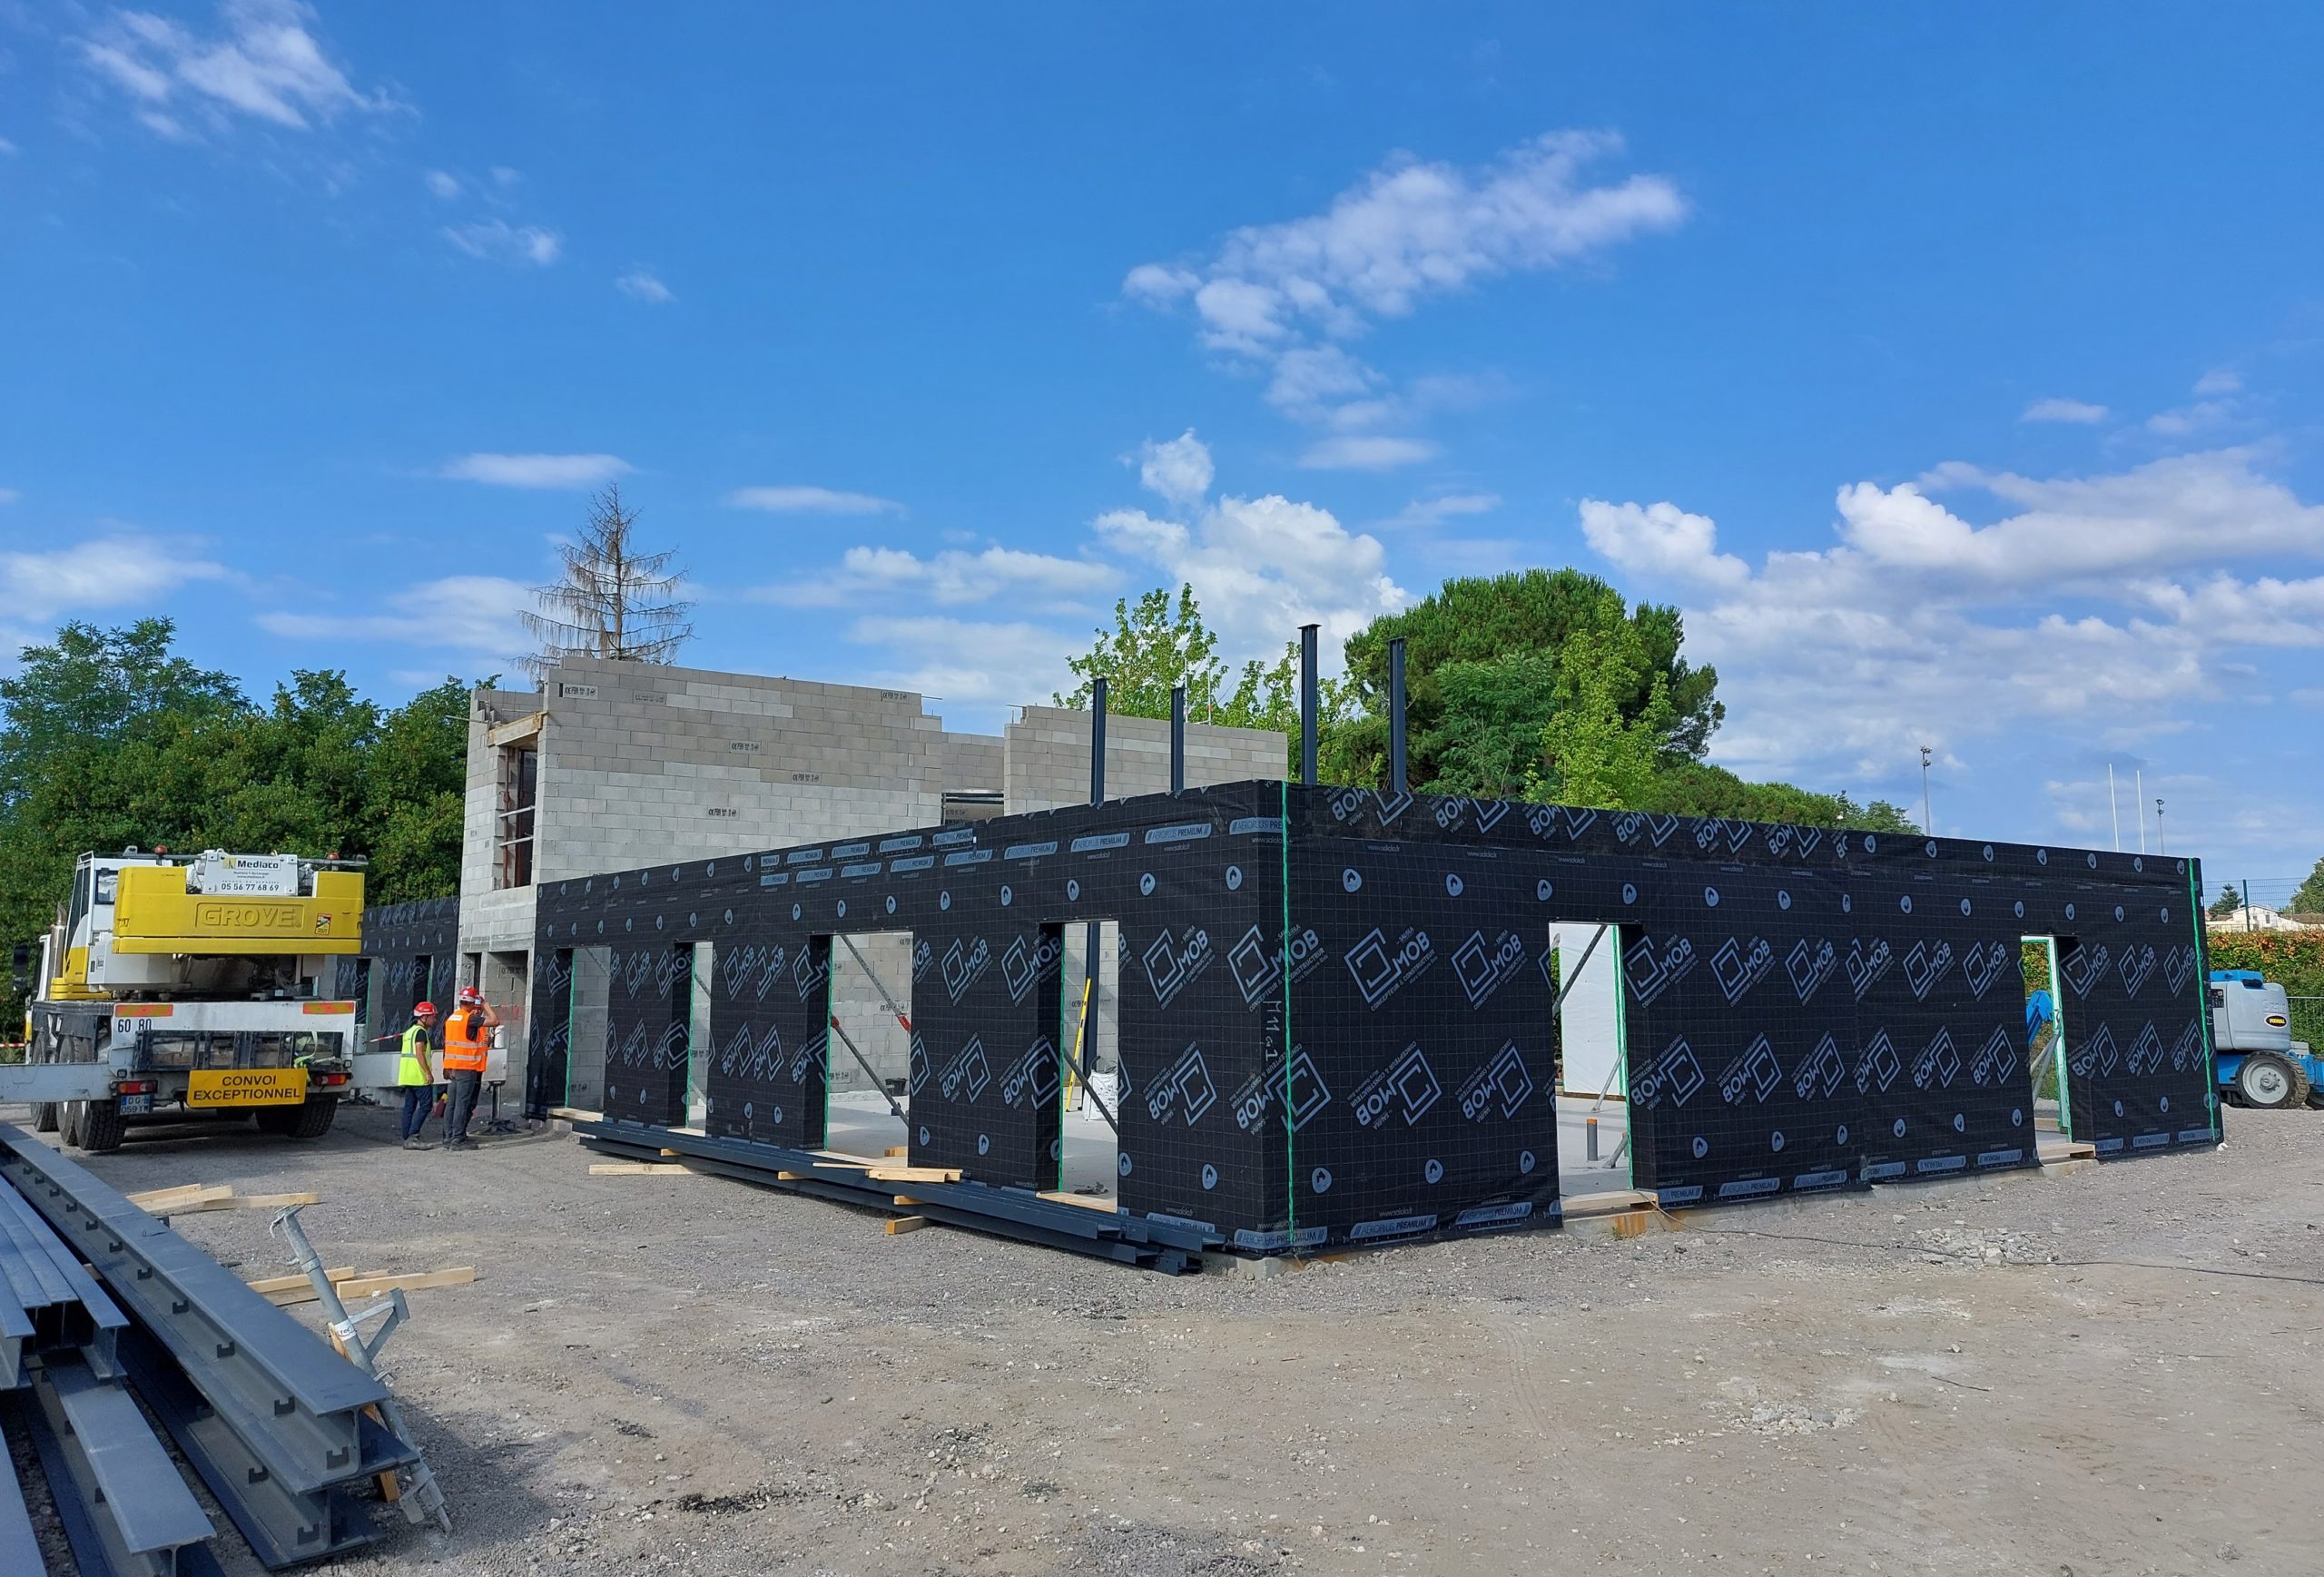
612,601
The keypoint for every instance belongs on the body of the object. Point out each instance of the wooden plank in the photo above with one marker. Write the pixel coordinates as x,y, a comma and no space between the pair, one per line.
1613,1202
158,1199
304,1290
638,1169
243,1202
417,1281
1086,1201
899,1224
895,1150
913,1173
575,1114
293,1283
906,1201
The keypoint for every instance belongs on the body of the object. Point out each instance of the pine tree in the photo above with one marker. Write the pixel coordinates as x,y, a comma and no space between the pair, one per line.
612,600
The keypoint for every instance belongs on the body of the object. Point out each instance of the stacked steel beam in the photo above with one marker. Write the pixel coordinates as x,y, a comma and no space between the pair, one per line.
284,1431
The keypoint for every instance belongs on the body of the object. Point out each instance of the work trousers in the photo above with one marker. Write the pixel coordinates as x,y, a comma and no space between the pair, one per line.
465,1085
419,1100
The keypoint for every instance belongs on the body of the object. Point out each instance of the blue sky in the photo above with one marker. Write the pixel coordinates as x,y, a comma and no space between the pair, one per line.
1960,373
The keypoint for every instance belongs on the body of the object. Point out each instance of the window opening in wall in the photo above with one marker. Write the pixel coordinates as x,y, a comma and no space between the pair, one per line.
513,829
698,1044
870,1012
2046,1035
585,1049
1088,1042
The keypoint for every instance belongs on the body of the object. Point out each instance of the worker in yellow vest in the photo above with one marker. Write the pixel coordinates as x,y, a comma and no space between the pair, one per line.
467,1040
415,1072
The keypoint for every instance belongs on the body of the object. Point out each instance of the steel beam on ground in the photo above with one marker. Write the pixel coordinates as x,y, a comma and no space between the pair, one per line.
19,1546
136,1514
284,1527
1008,1211
65,1307
297,1405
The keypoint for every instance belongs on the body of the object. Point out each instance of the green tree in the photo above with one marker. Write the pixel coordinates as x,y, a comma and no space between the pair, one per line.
2307,898
1526,613
1596,750
1153,646
417,789
2229,902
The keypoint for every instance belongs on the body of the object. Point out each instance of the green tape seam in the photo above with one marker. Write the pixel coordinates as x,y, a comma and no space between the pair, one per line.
1290,1161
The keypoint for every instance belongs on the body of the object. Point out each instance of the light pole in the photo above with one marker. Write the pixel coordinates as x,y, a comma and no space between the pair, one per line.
1927,827
2161,843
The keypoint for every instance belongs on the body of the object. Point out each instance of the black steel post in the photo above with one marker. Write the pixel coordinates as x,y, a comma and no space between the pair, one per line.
1177,738
1307,705
1098,742
1396,715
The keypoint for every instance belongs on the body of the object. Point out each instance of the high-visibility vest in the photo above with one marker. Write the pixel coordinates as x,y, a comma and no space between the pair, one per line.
410,1069
465,1042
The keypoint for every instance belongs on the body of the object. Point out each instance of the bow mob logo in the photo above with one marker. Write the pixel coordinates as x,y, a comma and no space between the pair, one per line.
1381,968
1172,964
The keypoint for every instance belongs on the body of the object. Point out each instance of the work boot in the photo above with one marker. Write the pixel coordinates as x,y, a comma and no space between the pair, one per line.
415,1143
460,1144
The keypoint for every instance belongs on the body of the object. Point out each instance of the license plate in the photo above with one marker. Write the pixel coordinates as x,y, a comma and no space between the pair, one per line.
214,1087
136,1104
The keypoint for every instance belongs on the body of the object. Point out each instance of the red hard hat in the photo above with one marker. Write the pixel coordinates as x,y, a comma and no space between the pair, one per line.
470,994
426,1008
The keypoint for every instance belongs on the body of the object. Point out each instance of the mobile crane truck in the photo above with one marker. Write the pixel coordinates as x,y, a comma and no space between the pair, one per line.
2260,1064
191,985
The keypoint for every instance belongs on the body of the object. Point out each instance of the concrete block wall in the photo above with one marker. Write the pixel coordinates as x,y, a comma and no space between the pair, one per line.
1046,758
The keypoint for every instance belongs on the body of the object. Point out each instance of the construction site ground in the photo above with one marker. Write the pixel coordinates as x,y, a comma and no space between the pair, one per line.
2111,1370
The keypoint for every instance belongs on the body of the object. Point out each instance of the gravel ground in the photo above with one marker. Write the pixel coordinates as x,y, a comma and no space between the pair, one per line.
2109,1371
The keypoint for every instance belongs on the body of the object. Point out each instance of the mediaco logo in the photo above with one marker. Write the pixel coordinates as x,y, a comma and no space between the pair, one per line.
246,916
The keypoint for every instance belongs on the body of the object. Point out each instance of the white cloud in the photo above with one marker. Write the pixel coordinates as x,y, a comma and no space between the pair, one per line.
472,613
811,501
1425,513
1261,568
2068,410
535,470
2219,380
1180,470
2108,605
970,662
1374,452
8,495
2187,420
107,572
442,183
7,149
640,285
498,241
1289,295
262,62
1660,539
947,579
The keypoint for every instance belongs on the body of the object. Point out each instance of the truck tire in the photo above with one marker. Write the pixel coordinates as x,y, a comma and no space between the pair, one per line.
46,1118
310,1119
94,1126
2270,1082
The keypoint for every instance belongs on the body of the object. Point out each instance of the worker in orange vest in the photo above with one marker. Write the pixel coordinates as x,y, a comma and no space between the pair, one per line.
467,1040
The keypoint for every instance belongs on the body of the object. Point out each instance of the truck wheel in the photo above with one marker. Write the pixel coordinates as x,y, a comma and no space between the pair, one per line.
310,1119
45,1116
94,1126
2266,1081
